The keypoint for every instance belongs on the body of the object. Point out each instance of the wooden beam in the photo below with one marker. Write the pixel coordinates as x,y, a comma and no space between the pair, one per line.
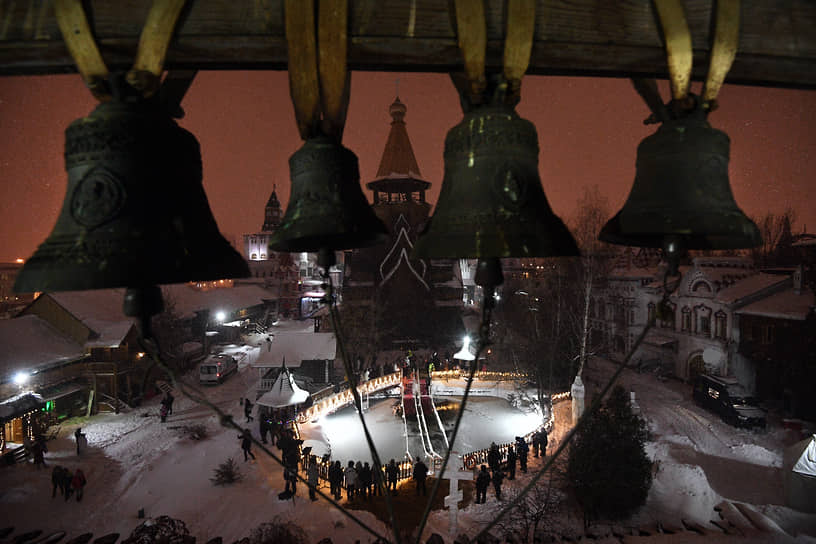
777,45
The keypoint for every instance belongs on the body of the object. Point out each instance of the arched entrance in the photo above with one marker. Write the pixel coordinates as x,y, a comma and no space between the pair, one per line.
696,366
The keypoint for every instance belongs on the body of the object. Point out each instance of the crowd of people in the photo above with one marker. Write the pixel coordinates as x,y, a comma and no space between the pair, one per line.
517,452
363,481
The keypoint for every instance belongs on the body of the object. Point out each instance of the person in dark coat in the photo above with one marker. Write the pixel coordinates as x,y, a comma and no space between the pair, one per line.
521,450
78,483
358,468
168,402
246,444
544,442
482,483
57,481
313,477
535,442
263,425
79,437
420,473
365,480
163,413
336,479
511,463
376,481
248,410
67,478
392,473
493,457
38,449
498,477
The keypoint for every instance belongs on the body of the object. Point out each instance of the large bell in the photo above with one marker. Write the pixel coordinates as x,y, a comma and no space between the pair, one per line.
327,209
491,203
681,192
135,212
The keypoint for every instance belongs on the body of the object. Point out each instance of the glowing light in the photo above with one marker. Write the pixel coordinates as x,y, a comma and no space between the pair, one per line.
21,377
20,261
140,354
220,316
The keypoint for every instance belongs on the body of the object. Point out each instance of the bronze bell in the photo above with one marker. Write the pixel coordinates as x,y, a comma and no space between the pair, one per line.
491,203
327,209
681,194
135,212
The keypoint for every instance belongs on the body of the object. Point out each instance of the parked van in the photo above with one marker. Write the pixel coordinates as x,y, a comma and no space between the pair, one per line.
726,397
216,368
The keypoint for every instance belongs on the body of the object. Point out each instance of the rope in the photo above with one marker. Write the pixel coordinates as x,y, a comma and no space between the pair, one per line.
678,45
723,50
76,32
154,41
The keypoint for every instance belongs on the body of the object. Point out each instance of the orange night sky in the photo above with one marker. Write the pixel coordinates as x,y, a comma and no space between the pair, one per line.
588,133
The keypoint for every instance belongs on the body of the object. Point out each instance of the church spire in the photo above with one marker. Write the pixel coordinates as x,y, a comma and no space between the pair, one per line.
398,156
272,212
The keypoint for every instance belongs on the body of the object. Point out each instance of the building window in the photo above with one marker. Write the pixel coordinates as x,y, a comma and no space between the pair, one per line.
686,325
667,316
705,325
767,334
702,320
720,321
651,309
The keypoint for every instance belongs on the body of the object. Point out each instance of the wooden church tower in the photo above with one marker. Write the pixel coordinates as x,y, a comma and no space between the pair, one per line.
399,302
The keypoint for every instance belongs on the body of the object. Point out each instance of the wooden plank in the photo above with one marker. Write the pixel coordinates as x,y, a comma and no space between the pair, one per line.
576,37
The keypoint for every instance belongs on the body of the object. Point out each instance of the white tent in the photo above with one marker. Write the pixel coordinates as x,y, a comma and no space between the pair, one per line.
800,465
284,392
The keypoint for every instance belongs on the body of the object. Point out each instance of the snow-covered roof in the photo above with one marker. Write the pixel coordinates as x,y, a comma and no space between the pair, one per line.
296,347
101,311
633,272
284,392
806,464
188,300
29,343
785,304
19,405
748,286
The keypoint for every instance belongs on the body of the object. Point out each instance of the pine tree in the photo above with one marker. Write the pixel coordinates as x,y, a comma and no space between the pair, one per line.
226,473
608,467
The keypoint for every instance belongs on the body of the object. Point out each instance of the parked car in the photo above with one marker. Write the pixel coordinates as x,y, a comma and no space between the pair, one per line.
216,368
726,397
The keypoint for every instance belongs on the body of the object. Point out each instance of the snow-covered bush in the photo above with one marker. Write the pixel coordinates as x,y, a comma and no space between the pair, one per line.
278,531
162,529
226,473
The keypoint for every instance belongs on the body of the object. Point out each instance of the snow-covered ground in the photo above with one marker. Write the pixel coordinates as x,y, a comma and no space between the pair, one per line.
136,462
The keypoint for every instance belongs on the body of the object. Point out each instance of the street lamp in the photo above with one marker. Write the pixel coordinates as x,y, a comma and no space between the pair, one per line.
21,378
220,316
464,354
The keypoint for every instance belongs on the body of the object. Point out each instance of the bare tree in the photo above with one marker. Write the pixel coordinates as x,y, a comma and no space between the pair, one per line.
539,511
774,228
593,265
